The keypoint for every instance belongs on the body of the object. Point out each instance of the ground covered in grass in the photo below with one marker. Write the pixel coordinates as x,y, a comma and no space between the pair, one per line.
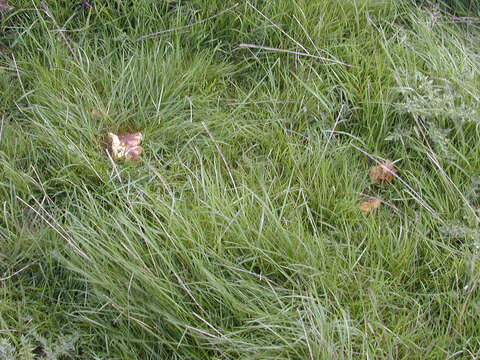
239,233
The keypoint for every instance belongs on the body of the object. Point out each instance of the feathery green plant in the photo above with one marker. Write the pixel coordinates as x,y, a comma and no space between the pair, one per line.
239,235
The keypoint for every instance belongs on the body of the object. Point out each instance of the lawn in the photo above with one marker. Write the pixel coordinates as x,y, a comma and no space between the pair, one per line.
253,225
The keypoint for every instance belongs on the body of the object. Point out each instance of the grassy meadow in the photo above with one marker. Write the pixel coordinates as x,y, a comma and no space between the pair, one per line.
239,233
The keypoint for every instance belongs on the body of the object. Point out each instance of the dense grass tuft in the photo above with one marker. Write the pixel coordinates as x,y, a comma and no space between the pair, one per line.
239,234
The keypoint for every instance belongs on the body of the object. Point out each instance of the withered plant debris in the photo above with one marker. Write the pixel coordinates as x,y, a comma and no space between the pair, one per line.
383,173
126,146
369,204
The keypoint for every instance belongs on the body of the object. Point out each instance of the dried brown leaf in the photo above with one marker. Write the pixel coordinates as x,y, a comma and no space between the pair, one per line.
383,173
126,146
369,204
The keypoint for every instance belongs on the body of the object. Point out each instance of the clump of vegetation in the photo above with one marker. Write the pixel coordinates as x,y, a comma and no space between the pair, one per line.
249,227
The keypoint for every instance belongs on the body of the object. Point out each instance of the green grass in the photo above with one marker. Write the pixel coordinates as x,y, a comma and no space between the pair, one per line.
239,234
